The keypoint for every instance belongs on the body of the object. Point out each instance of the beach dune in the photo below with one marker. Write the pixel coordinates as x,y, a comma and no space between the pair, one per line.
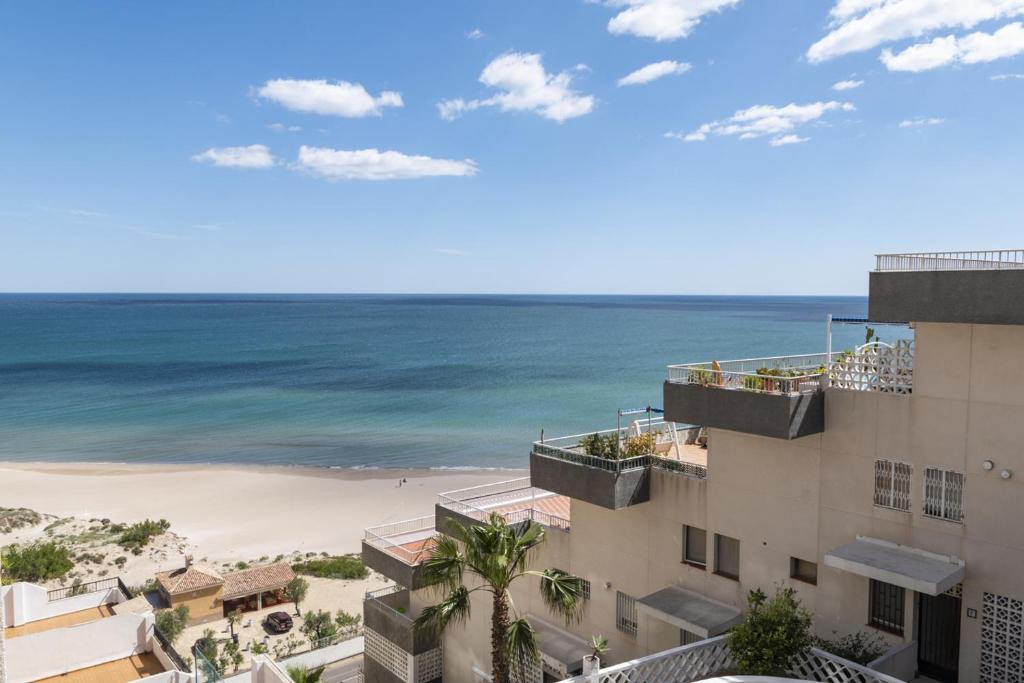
238,512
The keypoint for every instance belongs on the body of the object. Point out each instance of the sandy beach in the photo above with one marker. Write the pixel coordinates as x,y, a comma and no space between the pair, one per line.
237,512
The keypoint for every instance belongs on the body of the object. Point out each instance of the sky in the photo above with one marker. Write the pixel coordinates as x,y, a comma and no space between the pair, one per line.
536,146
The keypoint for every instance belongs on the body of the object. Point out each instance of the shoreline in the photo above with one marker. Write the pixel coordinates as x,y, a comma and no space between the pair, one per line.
235,512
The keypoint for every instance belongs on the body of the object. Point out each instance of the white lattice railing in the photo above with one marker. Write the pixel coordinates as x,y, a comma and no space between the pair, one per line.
711,657
775,375
951,260
516,496
389,537
877,366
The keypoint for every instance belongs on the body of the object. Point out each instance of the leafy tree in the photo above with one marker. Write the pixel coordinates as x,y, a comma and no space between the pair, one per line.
231,656
303,674
234,618
37,562
774,631
172,622
208,648
346,622
319,626
296,591
497,554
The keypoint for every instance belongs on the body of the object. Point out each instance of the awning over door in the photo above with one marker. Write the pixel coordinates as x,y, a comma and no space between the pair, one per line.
560,650
900,565
689,611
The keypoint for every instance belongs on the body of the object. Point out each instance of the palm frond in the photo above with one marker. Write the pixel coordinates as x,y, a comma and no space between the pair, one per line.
454,609
521,646
562,593
444,566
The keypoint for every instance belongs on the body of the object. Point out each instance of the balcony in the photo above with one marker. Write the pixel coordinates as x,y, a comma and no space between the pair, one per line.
706,659
395,651
780,397
396,550
611,468
983,287
516,500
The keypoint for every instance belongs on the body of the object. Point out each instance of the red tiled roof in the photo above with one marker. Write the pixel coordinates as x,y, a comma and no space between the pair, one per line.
256,580
187,579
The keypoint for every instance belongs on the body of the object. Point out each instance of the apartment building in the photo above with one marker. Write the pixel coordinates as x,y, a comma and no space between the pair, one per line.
883,483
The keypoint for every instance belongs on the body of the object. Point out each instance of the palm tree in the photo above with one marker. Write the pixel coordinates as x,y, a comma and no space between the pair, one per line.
303,674
497,554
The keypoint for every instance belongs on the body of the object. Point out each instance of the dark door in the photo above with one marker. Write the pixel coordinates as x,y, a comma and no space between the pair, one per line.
938,637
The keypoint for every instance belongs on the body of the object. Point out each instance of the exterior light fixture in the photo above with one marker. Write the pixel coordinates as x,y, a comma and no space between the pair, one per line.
1006,474
987,465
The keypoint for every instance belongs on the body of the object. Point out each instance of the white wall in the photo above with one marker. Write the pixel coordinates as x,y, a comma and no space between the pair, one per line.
264,670
25,602
56,652
313,659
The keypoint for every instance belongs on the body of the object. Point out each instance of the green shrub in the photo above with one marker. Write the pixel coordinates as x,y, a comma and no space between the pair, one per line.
172,622
36,562
601,446
138,535
859,647
774,631
339,567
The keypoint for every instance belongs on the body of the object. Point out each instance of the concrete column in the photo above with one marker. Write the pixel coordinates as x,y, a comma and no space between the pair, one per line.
259,600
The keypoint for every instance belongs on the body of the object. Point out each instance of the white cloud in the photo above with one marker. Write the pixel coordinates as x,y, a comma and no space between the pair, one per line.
790,139
209,227
475,34
859,25
651,72
524,85
251,156
451,252
340,98
662,19
281,128
922,121
766,120
973,48
1007,77
847,85
372,164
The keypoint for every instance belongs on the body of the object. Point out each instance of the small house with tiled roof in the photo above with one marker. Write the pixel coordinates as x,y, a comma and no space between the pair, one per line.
211,595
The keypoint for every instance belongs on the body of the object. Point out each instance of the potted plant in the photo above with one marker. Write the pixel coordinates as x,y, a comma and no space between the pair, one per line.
592,662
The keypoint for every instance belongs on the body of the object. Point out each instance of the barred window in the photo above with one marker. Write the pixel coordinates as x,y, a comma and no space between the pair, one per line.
625,613
885,609
584,589
944,494
892,484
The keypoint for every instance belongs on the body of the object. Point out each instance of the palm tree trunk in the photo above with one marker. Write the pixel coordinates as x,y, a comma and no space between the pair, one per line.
499,653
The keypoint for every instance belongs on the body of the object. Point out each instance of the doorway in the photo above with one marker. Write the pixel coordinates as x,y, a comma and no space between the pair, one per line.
938,636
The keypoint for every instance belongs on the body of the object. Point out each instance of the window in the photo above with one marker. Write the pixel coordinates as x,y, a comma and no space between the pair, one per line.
687,638
695,546
584,589
885,608
802,570
727,557
625,613
892,484
944,494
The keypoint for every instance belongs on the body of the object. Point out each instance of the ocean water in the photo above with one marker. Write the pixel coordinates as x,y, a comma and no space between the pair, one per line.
360,380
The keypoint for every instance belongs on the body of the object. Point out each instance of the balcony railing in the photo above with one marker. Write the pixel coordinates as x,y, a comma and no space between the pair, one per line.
89,587
664,436
515,500
398,539
951,260
384,599
785,375
712,657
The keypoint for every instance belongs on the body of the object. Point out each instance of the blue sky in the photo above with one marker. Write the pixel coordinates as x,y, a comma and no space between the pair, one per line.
488,146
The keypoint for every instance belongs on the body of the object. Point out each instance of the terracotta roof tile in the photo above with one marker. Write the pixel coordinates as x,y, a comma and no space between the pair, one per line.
257,579
187,579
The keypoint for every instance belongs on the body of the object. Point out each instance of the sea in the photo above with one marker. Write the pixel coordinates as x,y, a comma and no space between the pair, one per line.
360,381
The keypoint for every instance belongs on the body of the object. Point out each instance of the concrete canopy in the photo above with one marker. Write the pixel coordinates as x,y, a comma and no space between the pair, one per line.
900,565
689,611
560,646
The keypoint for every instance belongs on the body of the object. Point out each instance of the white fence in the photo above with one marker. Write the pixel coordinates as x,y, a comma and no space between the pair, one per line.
711,657
479,502
877,366
384,537
773,375
951,260
25,602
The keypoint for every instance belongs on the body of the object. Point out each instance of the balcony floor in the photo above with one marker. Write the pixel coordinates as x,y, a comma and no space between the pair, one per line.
60,621
118,671
412,547
691,453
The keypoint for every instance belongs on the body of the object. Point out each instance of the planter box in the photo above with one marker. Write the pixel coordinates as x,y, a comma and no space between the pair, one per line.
774,415
606,488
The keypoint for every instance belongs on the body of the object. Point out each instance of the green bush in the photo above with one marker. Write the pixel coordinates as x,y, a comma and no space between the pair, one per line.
339,567
859,647
774,631
172,622
138,535
601,446
36,562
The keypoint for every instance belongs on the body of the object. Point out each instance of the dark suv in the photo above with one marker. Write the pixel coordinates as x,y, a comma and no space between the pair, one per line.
278,622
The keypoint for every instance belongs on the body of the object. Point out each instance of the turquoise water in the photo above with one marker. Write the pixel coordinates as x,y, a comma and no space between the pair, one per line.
359,380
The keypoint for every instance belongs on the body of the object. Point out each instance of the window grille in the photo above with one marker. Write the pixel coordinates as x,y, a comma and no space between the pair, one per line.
885,610
584,589
625,613
944,494
892,484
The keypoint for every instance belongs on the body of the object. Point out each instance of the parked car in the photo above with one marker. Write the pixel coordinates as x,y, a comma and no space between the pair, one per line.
278,622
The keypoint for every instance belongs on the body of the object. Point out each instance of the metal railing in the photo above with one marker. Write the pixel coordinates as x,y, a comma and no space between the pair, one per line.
951,260
479,502
380,537
88,587
375,600
711,657
792,374
168,647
